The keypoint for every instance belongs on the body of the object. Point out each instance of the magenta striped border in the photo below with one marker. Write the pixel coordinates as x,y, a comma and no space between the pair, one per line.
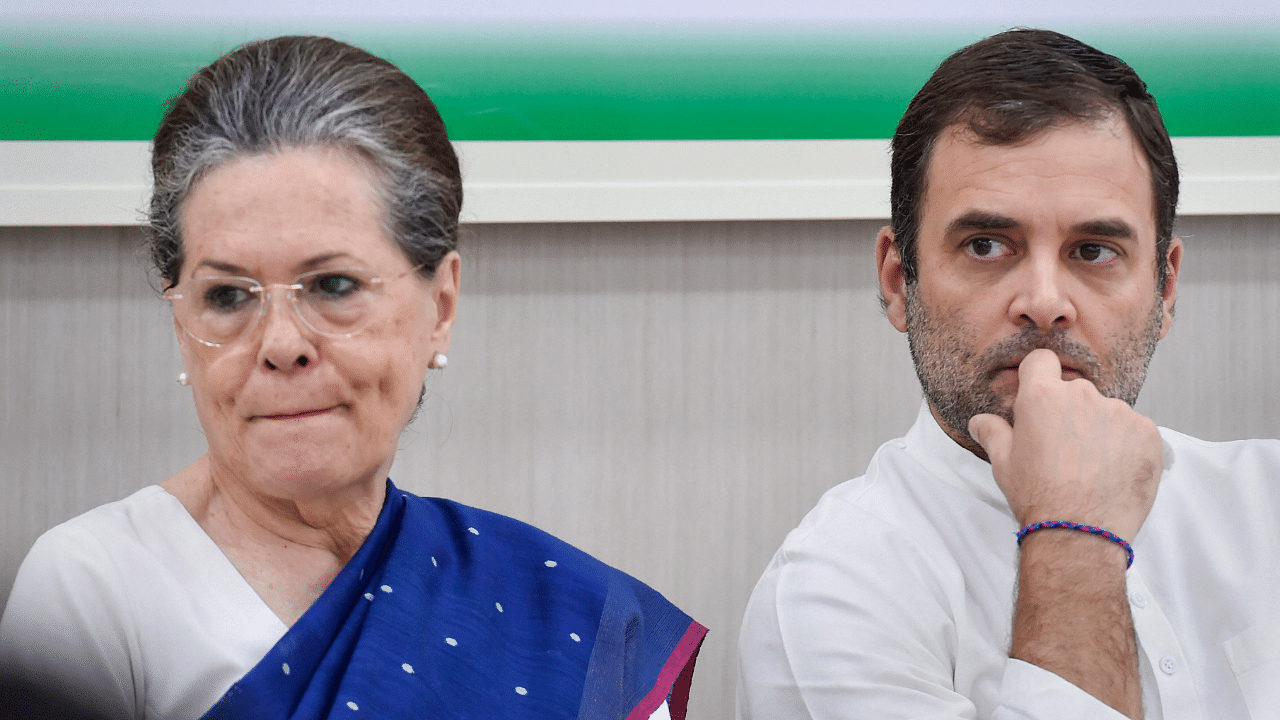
675,675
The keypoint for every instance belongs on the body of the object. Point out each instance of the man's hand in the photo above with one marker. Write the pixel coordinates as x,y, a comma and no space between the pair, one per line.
1071,453
1074,455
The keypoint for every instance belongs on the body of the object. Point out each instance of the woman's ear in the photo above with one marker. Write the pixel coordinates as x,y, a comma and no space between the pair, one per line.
444,293
184,340
184,346
893,289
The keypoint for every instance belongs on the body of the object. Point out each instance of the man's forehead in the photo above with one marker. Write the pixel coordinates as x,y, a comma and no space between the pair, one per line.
1104,149
1112,124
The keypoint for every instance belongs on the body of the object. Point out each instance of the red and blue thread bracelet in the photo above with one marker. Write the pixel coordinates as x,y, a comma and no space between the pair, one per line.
1083,528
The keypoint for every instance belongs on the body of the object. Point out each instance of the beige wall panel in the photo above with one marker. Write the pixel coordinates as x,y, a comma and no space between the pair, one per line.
1215,374
671,397
90,411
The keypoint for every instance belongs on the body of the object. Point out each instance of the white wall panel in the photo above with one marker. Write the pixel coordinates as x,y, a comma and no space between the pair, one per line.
105,183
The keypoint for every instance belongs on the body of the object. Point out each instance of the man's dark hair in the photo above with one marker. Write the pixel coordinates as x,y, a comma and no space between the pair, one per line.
1010,87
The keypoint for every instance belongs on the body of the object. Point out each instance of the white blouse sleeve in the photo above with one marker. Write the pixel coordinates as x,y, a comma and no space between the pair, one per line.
63,626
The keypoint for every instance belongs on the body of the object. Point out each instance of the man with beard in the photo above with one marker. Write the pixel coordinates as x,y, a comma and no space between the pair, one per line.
1033,547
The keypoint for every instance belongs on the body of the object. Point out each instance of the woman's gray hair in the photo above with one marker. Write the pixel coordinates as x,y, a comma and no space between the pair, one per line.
305,92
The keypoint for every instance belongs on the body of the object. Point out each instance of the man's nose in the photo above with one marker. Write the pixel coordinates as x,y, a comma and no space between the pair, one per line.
1041,294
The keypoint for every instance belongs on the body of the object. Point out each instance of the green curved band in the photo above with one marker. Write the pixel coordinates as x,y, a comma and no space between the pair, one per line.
601,84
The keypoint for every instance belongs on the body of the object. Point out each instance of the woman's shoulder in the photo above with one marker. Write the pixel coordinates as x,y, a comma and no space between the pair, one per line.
122,550
485,549
131,521
465,529
134,561
73,598
630,642
143,601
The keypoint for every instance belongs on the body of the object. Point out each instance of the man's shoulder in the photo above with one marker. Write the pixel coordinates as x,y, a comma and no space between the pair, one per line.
1228,447
857,500
1185,453
899,499
1203,474
879,580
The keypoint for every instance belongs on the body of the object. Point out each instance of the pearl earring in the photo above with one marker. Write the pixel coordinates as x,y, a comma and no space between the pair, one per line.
438,362
182,379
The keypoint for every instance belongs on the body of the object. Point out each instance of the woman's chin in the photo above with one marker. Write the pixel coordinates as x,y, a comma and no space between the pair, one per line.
302,466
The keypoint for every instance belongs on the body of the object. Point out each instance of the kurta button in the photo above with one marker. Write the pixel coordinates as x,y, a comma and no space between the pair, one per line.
1138,599
1169,664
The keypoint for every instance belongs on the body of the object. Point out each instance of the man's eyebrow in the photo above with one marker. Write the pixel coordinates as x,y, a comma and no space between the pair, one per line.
1117,229
980,220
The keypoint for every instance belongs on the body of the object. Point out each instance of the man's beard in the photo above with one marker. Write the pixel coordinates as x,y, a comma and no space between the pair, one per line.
957,380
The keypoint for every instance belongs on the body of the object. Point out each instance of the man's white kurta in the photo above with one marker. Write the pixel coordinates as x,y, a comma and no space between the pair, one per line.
894,597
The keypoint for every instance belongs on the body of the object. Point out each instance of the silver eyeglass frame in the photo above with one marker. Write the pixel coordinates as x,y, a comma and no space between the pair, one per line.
264,292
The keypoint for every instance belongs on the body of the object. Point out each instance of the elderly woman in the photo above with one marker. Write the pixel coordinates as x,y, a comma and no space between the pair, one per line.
304,222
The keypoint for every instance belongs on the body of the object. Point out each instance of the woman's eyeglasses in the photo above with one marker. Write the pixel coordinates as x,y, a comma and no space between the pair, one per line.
338,302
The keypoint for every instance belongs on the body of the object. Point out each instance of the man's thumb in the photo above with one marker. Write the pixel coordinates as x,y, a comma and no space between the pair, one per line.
992,432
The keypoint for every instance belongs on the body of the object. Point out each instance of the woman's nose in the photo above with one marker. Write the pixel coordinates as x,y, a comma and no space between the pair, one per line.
285,341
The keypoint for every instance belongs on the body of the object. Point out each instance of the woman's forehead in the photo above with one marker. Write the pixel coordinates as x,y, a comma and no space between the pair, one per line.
293,210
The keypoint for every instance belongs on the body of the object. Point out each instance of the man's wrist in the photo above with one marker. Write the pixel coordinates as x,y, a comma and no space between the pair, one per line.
1078,527
1063,548
1072,615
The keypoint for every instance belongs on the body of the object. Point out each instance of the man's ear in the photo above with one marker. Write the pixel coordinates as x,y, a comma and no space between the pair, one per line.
444,293
893,288
1169,295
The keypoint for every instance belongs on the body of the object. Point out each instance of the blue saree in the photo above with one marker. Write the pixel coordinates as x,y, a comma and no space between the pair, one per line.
450,611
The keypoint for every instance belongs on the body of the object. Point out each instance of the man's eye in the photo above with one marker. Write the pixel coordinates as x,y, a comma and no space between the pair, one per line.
1094,253
985,247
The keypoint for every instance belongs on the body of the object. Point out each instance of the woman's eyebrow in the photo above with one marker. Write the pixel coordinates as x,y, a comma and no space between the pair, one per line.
229,268
319,260
308,264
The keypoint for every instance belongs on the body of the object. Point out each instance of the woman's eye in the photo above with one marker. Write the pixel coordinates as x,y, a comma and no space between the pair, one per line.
985,247
1094,253
334,286
226,298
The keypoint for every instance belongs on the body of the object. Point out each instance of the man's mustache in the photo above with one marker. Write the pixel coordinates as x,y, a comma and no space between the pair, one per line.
1009,353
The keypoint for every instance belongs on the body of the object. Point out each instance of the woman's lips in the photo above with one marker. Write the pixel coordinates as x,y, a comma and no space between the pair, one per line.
296,415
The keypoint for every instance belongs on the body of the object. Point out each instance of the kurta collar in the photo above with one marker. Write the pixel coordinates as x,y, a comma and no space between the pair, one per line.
946,460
